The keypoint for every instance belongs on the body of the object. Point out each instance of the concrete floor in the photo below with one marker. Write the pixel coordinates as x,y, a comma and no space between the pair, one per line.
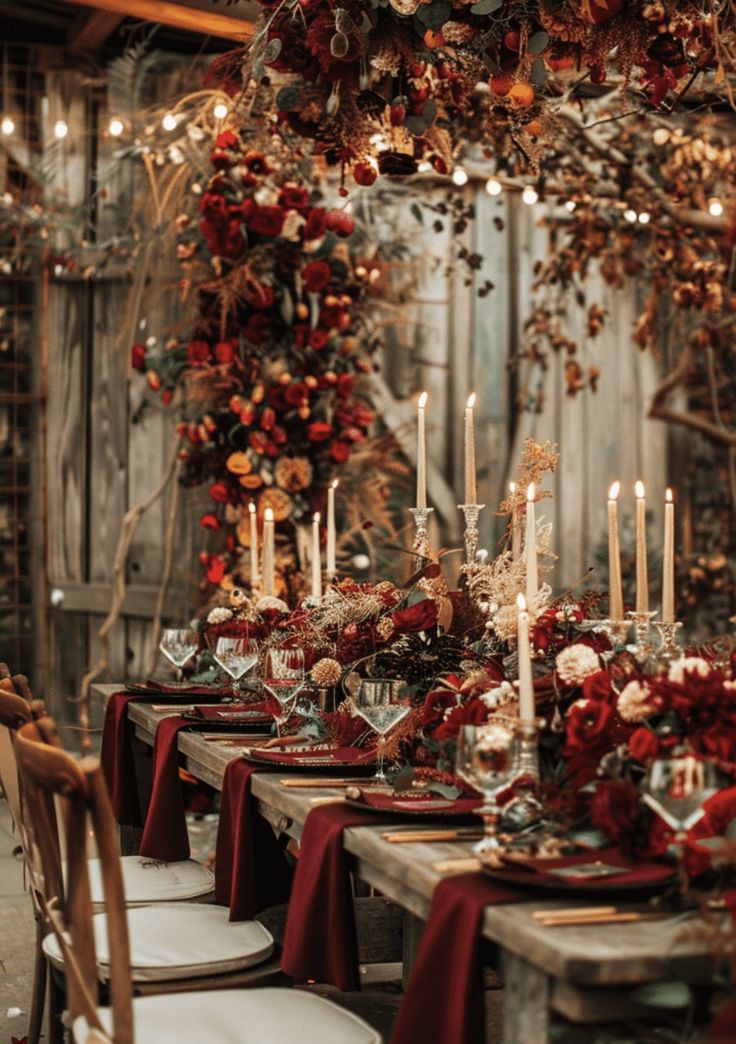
17,936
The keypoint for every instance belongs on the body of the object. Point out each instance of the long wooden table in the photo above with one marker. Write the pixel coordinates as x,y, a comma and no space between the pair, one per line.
583,973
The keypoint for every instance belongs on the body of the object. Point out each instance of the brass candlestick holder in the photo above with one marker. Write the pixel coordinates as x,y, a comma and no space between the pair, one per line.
471,513
421,546
668,647
525,808
642,626
617,631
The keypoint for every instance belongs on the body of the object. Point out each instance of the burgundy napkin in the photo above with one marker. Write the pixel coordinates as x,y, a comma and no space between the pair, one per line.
443,1002
165,834
321,940
251,872
117,761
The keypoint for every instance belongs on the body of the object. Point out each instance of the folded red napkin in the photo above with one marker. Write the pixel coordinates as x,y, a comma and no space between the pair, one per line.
117,761
251,871
165,834
321,939
443,1002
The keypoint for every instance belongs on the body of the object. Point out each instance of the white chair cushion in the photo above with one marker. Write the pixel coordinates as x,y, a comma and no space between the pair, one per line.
260,1016
145,881
179,941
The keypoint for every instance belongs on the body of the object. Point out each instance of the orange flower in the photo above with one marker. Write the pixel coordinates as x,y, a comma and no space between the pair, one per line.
293,473
277,500
239,463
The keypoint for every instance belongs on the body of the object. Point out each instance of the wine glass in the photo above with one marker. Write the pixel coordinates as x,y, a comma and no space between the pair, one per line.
178,644
236,656
378,702
487,760
284,679
676,789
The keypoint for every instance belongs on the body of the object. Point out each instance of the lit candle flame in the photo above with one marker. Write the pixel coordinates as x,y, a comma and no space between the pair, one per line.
668,496
521,603
316,516
423,400
335,484
512,488
531,493
614,491
268,514
471,401
639,490
252,508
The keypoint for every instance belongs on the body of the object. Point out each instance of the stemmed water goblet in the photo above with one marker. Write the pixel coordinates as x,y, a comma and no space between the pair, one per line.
379,702
487,760
676,789
236,656
178,644
283,678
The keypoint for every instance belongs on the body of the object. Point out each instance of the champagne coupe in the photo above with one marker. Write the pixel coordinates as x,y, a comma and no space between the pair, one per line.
178,644
284,679
379,703
236,656
487,760
676,789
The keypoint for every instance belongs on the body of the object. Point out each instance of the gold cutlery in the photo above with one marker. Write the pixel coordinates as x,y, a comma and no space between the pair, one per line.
398,837
457,866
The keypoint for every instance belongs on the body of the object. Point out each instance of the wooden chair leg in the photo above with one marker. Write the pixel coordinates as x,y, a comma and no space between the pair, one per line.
40,975
57,1003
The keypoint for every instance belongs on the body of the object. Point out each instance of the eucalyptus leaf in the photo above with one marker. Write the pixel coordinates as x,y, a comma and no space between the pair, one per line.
415,125
538,42
484,7
404,779
272,50
539,73
444,790
434,15
288,98
429,112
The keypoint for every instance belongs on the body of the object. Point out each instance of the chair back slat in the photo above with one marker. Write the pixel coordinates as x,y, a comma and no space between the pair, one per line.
47,771
14,712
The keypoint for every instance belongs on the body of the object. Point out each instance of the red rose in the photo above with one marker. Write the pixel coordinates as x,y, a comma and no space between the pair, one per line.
418,617
219,492
340,223
315,225
256,162
319,431
258,329
365,173
586,725
213,206
316,276
345,384
138,357
296,393
643,745
597,686
224,352
221,160
198,353
292,197
267,221
614,808
216,569
436,704
226,140
474,712
318,339
209,521
339,451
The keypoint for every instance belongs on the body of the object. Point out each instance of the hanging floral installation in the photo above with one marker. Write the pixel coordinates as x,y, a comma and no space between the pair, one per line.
386,85
284,334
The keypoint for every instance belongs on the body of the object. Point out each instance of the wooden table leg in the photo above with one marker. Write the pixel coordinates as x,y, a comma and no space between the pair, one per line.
412,930
525,1002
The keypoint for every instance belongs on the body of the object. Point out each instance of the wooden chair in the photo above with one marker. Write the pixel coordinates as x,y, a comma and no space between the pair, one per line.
265,1016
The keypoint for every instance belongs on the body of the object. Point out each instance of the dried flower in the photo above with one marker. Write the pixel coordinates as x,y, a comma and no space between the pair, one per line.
219,615
277,500
385,628
326,672
688,665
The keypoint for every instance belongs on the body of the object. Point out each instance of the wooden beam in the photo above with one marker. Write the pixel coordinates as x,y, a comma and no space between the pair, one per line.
89,31
205,23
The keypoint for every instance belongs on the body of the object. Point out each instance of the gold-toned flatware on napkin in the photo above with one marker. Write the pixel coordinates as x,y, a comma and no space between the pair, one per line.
457,866
399,837
172,708
306,783
575,911
618,917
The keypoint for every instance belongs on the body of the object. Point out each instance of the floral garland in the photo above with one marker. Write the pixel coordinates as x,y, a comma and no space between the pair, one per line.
271,370
385,84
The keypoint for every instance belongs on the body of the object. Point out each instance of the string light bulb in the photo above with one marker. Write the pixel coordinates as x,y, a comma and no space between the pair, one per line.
116,127
169,121
7,126
494,187
61,129
645,217
715,207
220,111
529,196
459,176
570,205
630,216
